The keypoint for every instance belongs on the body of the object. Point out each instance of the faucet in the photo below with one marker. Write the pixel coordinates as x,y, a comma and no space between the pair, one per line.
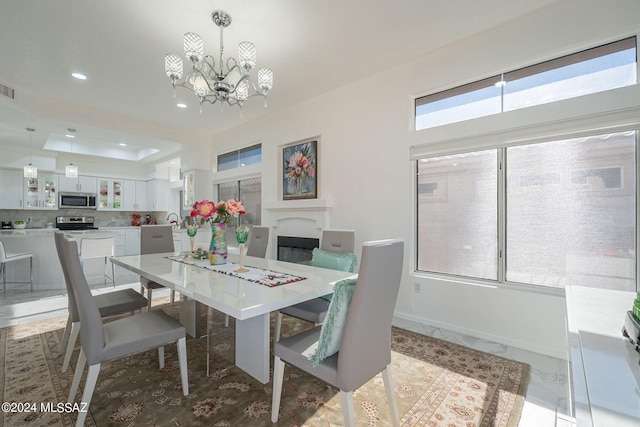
177,218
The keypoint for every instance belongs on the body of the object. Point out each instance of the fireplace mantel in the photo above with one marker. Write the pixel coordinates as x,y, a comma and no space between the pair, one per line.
299,205
300,218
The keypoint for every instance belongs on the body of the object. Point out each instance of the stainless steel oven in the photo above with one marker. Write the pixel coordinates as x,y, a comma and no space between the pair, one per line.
77,200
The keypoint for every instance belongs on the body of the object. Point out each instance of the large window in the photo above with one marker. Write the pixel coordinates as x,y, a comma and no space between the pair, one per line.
593,70
249,191
549,214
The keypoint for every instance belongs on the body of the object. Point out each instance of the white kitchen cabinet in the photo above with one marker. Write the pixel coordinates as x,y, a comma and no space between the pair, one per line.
82,184
177,240
197,186
41,192
120,238
134,195
110,194
11,194
132,241
158,195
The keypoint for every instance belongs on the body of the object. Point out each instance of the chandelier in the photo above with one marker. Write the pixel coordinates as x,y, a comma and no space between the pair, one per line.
227,81
30,171
71,170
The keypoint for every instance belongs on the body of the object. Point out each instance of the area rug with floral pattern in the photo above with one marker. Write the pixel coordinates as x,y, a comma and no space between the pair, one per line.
436,384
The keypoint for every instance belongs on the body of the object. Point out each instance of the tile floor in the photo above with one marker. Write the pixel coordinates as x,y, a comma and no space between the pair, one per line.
546,402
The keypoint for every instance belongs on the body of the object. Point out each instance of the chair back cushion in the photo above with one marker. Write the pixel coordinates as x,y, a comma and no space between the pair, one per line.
365,349
71,299
156,239
338,241
333,325
334,260
258,241
91,332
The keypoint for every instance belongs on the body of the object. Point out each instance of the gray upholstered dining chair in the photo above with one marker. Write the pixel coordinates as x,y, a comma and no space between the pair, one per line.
155,239
116,339
365,347
258,241
109,304
315,310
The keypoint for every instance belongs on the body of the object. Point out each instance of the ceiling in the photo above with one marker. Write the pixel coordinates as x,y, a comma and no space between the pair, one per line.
311,46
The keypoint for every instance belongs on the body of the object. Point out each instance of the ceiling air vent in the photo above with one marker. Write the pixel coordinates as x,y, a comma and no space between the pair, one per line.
7,91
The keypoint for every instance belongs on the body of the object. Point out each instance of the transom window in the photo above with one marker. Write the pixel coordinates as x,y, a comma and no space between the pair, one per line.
593,70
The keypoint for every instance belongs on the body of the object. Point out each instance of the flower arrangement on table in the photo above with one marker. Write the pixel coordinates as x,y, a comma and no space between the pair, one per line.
218,215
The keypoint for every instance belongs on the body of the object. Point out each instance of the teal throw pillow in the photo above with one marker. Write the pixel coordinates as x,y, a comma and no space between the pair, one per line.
334,260
333,325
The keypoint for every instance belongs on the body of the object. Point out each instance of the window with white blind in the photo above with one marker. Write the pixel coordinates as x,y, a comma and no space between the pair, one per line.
547,214
602,68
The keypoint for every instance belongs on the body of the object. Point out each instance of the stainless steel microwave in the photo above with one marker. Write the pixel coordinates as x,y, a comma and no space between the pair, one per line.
77,201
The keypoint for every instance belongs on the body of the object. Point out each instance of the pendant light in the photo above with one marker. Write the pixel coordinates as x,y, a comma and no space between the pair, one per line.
71,170
30,171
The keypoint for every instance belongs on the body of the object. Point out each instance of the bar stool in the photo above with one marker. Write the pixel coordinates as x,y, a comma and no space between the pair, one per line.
98,247
7,257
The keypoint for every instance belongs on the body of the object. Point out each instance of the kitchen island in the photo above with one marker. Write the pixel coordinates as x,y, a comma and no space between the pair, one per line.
47,273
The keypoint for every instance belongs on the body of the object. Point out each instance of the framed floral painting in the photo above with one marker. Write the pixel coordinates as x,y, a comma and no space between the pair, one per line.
300,170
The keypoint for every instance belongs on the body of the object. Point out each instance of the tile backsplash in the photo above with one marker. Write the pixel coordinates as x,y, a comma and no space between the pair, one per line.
39,218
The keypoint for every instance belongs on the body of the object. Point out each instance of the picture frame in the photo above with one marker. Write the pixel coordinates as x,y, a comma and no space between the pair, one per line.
299,170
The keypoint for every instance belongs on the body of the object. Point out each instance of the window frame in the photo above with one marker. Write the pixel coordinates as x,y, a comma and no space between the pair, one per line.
572,129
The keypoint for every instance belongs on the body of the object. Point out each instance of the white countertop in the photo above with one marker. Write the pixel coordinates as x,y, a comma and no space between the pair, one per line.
605,368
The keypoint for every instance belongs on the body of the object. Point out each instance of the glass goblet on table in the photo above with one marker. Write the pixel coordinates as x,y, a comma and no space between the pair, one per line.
191,232
242,233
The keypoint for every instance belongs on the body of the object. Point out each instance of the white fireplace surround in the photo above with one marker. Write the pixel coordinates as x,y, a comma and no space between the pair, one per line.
297,218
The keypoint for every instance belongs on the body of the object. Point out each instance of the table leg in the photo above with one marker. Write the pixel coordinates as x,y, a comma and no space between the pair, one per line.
252,346
189,318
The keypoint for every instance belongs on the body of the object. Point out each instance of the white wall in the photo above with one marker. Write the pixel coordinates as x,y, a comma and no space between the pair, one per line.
365,171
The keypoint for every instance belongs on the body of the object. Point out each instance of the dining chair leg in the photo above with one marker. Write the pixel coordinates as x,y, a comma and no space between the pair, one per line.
89,386
4,276
173,296
82,359
149,291
161,357
276,334
182,358
73,337
391,396
113,275
278,378
348,411
226,320
65,336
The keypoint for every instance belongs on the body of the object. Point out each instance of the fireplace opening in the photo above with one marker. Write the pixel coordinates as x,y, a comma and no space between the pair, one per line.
296,249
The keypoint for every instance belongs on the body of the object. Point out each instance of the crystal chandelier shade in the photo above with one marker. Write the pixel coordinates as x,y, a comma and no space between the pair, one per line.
225,80
30,171
71,170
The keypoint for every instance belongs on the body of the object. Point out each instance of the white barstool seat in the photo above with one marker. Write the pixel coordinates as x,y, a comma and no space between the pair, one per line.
98,247
6,258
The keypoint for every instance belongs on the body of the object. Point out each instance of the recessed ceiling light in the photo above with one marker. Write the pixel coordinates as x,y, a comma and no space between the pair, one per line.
181,105
122,144
79,76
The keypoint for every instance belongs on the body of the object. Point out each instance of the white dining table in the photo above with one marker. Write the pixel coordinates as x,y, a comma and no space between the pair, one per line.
248,302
